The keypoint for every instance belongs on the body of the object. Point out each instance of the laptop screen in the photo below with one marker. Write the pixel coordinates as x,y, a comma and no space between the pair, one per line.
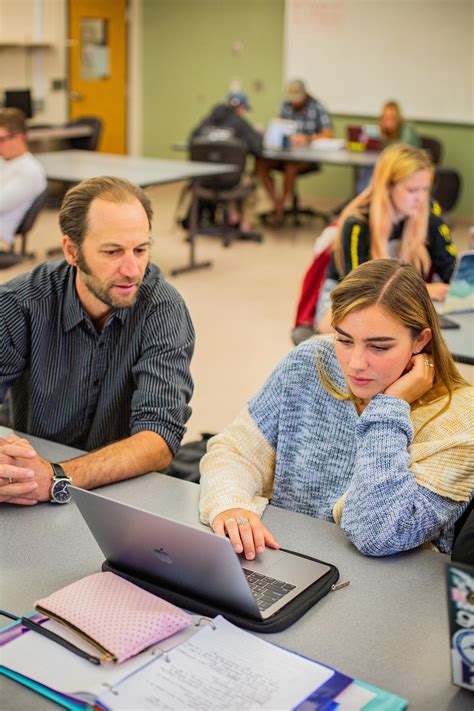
277,129
461,289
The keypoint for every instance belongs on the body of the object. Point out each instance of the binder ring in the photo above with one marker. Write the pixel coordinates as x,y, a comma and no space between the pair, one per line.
158,652
207,620
110,688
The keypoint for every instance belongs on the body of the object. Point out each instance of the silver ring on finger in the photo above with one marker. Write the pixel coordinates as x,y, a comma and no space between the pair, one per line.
241,521
230,520
428,363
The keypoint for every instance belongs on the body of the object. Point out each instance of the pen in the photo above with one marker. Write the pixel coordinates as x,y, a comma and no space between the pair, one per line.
35,627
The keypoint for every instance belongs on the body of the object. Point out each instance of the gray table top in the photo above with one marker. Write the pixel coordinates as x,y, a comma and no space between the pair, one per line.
328,156
57,132
461,340
388,627
74,166
340,156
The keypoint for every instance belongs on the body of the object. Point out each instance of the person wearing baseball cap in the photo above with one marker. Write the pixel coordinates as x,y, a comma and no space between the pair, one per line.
231,115
313,122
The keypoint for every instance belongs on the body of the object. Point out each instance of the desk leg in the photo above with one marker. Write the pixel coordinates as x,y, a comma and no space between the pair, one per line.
355,180
193,228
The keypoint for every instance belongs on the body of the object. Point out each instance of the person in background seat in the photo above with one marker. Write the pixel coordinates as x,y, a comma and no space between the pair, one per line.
22,177
313,122
393,217
231,115
393,129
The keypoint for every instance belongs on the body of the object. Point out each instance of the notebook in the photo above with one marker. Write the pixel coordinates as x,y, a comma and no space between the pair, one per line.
195,560
194,669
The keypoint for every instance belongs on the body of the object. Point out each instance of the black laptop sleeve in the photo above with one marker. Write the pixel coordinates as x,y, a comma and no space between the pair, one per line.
278,622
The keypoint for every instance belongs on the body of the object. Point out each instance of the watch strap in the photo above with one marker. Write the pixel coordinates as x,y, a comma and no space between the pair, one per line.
59,473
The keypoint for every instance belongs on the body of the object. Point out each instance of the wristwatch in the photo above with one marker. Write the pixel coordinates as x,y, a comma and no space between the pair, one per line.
59,487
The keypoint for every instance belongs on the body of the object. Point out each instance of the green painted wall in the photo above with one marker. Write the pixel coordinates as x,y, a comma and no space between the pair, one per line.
194,49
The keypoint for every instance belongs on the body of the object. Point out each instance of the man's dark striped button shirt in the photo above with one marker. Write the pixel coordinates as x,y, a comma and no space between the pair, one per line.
85,389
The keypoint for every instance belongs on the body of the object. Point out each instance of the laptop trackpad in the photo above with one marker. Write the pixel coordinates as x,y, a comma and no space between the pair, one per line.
287,567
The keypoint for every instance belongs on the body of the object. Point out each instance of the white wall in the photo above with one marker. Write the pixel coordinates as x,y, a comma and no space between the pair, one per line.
356,54
26,21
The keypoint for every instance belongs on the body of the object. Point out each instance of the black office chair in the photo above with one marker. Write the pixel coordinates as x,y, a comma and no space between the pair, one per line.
221,189
446,188
86,143
296,211
9,259
433,147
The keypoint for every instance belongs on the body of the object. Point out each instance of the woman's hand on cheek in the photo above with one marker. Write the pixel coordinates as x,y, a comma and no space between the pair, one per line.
416,382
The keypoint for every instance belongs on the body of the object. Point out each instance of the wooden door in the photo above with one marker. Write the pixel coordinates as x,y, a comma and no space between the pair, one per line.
98,67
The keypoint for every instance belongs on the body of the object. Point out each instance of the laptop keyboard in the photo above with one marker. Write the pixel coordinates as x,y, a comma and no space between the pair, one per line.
266,590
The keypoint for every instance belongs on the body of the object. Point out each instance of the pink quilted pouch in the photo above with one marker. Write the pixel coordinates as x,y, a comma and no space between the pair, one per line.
115,616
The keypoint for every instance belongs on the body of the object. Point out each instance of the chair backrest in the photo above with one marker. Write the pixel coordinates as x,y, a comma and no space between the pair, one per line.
31,214
433,147
29,219
446,188
211,149
87,143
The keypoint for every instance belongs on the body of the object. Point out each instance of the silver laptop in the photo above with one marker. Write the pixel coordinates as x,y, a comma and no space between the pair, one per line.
194,560
460,297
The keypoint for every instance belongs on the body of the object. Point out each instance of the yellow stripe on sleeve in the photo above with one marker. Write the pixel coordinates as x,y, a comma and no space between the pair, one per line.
354,246
436,208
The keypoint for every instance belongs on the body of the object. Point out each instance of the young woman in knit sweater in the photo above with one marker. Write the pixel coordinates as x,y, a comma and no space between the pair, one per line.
370,427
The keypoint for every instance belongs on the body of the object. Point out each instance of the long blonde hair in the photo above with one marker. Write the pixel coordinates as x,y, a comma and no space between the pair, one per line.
395,107
399,290
374,205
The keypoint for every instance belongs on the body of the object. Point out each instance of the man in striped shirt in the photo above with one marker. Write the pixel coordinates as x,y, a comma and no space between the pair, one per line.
95,350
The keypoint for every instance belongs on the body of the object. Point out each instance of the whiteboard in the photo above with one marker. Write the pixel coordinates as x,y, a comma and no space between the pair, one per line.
356,54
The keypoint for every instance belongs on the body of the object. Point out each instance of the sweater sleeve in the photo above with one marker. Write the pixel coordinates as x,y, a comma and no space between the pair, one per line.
385,509
237,471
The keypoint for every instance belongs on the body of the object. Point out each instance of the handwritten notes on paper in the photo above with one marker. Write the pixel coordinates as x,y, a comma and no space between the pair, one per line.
220,668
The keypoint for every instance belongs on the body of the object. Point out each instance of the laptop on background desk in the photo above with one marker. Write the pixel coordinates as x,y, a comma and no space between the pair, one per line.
278,132
194,560
460,296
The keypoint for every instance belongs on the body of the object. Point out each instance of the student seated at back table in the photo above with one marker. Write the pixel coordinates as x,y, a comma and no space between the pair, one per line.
313,122
231,115
95,351
393,129
22,177
371,428
393,217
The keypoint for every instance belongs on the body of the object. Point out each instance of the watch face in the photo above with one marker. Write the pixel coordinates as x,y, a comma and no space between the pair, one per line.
60,491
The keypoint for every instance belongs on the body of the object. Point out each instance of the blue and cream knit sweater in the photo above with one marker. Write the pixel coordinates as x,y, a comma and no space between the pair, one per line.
312,453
